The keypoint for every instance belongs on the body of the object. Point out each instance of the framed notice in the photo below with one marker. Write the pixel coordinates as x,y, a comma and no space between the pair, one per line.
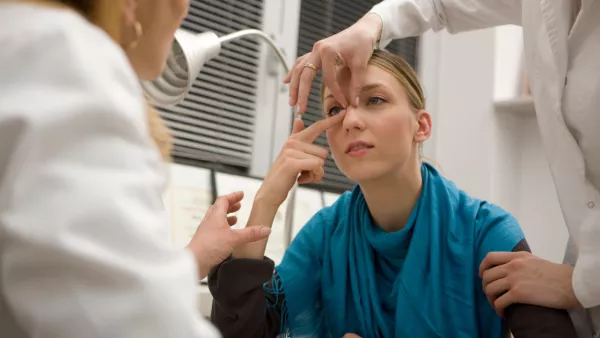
308,202
228,183
188,198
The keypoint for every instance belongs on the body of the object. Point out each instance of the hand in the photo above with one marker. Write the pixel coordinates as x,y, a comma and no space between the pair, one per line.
351,335
298,156
214,239
351,48
520,277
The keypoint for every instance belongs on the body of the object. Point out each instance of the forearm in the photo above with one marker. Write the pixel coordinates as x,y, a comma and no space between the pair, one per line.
407,18
532,321
262,213
241,305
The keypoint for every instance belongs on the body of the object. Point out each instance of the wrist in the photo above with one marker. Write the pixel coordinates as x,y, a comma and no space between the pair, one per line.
373,24
265,200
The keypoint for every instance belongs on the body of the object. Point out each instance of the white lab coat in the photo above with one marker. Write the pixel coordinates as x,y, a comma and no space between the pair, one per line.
562,53
82,245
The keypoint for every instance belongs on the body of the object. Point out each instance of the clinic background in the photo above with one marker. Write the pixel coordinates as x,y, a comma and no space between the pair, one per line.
233,124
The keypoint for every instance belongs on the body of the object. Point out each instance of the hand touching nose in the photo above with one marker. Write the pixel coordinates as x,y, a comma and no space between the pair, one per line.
297,157
351,48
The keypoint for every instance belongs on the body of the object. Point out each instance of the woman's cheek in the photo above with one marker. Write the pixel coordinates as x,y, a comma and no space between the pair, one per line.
331,140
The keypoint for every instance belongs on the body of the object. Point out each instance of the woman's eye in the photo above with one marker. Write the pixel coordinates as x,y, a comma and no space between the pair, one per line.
334,110
376,100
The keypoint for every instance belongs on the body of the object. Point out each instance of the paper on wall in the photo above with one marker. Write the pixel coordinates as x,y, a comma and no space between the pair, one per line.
227,183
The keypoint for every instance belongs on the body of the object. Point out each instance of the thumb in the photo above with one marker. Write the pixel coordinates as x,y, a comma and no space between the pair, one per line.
358,71
249,234
220,206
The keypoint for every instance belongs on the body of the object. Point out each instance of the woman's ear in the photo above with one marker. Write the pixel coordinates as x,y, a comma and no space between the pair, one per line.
423,129
130,18
129,12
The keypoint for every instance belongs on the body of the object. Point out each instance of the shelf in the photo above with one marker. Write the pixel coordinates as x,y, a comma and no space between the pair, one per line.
522,106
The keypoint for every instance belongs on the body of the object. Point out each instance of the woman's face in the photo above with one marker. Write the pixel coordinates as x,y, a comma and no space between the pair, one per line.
159,20
381,136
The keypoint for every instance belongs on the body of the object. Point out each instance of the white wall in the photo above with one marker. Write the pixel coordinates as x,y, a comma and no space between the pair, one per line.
490,154
538,209
464,122
508,61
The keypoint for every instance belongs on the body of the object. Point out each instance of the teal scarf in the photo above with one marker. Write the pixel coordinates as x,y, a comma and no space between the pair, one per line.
343,274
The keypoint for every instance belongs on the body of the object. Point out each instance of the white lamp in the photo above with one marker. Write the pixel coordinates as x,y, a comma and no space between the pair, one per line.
188,55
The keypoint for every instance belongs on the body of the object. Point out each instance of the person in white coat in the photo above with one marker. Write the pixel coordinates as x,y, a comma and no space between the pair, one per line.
82,224
562,53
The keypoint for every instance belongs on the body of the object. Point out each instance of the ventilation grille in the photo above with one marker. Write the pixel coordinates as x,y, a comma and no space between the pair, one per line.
214,126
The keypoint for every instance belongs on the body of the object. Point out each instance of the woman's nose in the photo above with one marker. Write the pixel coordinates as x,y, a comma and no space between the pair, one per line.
352,119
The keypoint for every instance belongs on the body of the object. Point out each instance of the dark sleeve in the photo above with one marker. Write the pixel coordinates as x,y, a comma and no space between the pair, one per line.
247,299
531,321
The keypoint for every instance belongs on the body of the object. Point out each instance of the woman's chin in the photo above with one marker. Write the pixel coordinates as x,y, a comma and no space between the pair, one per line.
360,174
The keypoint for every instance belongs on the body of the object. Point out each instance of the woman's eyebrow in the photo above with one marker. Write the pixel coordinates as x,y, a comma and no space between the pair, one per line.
365,88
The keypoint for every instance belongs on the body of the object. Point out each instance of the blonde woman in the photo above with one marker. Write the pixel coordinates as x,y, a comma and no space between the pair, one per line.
82,251
562,57
397,257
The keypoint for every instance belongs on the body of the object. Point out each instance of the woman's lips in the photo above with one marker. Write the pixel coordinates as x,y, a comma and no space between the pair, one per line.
358,148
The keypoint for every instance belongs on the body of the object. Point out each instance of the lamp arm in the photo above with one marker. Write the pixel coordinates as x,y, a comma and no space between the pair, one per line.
258,33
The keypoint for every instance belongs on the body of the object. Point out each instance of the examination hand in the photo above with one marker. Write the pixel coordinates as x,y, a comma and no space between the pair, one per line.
351,48
298,156
520,277
351,335
215,240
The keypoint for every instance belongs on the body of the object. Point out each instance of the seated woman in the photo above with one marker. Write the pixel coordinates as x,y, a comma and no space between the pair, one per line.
396,257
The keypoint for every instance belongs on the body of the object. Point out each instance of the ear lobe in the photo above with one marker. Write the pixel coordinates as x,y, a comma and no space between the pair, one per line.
423,126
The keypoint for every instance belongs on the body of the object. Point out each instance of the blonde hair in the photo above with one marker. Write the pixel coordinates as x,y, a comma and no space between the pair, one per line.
107,15
404,73
160,133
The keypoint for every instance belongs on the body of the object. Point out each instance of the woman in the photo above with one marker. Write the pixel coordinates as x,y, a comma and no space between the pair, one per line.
396,257
562,58
82,245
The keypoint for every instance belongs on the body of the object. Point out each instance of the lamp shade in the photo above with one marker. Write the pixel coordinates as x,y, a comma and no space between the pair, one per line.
188,54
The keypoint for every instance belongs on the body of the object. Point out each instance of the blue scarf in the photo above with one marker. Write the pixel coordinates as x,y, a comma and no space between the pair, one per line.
344,274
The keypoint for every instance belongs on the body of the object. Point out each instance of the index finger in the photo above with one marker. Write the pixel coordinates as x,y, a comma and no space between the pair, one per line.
222,203
306,80
496,258
311,133
234,197
329,75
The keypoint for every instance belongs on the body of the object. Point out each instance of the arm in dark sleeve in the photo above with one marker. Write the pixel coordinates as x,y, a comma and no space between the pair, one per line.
531,321
245,301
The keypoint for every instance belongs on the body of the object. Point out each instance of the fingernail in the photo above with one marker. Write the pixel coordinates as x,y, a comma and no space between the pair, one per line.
291,102
357,101
265,231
